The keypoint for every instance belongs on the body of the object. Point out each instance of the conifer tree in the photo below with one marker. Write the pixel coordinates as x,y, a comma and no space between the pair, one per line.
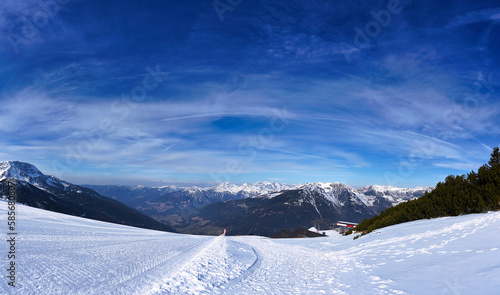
495,158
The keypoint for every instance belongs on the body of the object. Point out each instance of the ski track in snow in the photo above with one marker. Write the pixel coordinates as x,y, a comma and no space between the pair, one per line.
60,254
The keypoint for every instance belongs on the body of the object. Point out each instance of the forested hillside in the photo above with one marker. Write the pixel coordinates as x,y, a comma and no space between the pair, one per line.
457,195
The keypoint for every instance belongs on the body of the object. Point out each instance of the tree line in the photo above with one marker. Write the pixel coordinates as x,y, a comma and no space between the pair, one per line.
456,195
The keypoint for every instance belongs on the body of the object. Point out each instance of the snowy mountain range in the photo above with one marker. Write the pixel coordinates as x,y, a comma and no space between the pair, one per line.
370,195
326,203
178,205
134,195
258,208
375,197
47,192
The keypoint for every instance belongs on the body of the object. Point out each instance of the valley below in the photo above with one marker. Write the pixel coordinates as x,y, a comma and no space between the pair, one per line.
262,208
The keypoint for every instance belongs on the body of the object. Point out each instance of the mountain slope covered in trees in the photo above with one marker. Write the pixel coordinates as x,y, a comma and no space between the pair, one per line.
464,194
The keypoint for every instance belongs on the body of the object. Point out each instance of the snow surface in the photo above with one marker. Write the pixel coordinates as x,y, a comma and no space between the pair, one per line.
61,254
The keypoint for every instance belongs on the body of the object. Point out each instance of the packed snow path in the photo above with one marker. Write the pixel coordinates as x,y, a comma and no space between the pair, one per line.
60,254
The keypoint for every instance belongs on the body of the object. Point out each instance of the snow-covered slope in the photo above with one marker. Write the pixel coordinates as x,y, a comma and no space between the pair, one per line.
61,254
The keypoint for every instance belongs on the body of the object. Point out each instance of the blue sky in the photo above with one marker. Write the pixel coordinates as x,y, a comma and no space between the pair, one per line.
196,92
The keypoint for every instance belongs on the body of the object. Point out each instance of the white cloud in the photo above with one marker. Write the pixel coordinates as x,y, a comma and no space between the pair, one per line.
490,14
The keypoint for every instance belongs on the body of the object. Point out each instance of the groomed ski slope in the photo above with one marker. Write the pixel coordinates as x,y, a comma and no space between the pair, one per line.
61,254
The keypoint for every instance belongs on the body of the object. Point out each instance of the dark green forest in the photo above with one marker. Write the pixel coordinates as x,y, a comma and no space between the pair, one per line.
456,195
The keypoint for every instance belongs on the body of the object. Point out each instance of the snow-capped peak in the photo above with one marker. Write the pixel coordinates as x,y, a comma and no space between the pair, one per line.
226,187
251,189
382,189
335,192
18,170
329,188
28,173
339,193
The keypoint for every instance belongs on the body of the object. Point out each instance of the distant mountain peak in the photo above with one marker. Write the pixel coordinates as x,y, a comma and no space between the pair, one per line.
30,174
225,186
376,197
250,189
16,169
